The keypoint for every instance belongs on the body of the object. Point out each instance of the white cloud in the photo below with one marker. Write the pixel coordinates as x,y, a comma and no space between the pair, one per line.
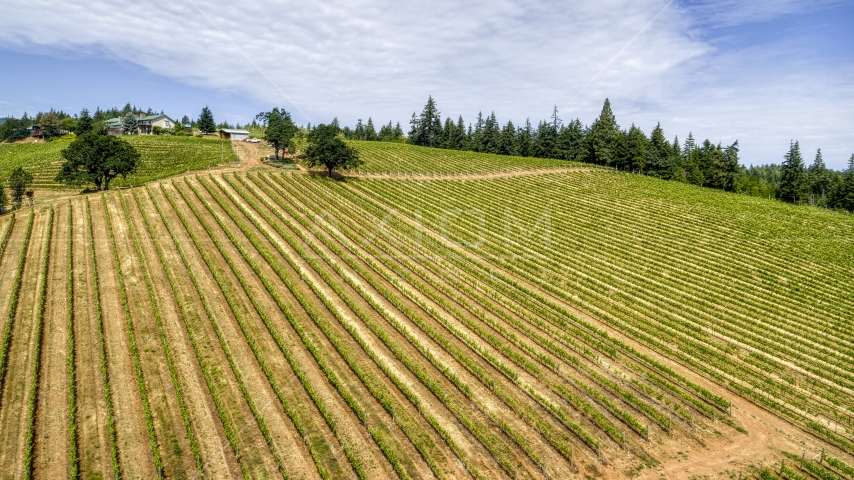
356,59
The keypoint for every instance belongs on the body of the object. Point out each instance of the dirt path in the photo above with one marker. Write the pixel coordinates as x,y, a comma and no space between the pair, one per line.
249,155
51,438
13,410
135,455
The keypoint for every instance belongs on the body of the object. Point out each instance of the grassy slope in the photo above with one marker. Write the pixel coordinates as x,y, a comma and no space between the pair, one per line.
161,157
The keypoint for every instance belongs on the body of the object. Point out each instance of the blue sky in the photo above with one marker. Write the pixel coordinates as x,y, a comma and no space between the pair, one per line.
762,72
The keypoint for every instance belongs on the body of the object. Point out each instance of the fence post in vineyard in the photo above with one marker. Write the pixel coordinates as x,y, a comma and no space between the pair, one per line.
803,455
821,458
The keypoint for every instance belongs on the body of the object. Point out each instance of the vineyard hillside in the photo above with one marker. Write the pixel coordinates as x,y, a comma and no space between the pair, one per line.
480,317
161,156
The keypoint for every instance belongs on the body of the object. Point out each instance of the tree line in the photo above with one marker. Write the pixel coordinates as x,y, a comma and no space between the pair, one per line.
604,143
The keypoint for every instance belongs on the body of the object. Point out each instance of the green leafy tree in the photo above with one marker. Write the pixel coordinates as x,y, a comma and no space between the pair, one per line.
69,124
327,149
97,159
280,129
185,120
604,138
206,123
84,123
794,183
130,124
50,124
19,182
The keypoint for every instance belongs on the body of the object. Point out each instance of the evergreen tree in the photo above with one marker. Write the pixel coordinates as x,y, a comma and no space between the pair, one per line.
604,137
398,132
476,138
692,162
386,133
507,140
185,120
84,123
206,122
794,183
658,153
844,197
570,141
732,167
676,162
490,136
130,124
359,131
635,149
819,179
524,139
427,128
459,139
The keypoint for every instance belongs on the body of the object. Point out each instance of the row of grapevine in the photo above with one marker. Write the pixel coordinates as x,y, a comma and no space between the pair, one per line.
662,420
71,356
134,350
451,196
102,349
207,369
6,341
433,334
573,360
382,398
408,361
173,374
161,156
35,370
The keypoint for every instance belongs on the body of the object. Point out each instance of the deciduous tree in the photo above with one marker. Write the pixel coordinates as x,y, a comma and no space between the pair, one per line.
327,149
19,182
97,159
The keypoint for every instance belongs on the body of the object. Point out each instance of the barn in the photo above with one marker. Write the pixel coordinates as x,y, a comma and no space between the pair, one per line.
233,134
